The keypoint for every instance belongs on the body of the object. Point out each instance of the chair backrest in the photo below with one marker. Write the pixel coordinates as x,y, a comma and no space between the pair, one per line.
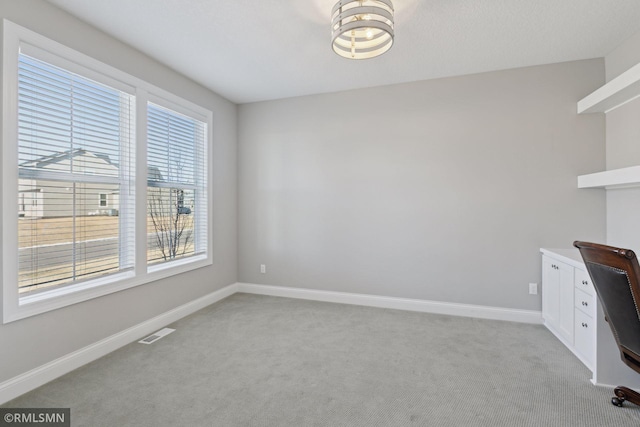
615,274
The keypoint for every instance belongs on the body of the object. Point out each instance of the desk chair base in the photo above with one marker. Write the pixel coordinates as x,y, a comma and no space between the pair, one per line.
624,393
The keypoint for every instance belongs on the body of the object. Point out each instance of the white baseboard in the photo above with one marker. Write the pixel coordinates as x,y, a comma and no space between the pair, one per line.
597,384
453,309
41,375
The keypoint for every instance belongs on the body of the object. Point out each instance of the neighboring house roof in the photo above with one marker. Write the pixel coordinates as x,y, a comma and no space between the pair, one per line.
154,173
45,161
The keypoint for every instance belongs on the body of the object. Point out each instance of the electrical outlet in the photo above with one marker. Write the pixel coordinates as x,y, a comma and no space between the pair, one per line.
263,268
533,288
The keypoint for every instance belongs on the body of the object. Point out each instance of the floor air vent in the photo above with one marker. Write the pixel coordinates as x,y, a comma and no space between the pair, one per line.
156,336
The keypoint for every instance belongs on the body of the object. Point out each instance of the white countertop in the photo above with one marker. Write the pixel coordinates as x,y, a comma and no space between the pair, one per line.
568,255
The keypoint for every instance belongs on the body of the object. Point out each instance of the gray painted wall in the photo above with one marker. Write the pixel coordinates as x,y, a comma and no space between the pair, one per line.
438,190
29,343
623,57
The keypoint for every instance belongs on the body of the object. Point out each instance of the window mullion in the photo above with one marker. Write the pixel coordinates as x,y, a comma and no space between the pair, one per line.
141,182
127,179
74,242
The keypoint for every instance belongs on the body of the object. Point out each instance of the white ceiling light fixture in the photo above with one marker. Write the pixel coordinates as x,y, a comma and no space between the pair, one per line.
362,29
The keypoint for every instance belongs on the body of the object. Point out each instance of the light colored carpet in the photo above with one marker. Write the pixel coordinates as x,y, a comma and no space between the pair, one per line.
263,361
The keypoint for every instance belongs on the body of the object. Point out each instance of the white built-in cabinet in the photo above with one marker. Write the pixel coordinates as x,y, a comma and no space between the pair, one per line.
569,303
557,298
584,318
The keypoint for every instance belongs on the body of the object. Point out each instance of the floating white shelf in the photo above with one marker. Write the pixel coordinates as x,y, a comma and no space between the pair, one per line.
615,178
619,91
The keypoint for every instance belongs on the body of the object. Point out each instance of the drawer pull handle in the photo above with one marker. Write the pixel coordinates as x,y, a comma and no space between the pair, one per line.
585,303
584,282
584,325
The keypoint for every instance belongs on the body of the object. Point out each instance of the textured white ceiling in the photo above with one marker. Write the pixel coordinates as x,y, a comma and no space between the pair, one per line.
253,50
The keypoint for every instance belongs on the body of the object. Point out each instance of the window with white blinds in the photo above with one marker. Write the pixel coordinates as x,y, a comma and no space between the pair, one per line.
176,177
74,148
105,180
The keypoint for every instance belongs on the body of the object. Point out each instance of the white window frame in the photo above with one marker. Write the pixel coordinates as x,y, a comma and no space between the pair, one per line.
16,307
170,104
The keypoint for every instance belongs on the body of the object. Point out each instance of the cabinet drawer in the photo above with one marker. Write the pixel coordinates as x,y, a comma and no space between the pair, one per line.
585,338
585,302
582,281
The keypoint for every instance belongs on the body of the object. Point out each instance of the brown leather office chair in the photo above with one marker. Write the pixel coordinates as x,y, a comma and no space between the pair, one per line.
615,274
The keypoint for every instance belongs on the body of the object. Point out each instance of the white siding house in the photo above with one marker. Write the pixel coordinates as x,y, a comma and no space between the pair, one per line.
47,198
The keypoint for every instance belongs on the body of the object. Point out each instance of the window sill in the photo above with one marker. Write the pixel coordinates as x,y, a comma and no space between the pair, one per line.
31,305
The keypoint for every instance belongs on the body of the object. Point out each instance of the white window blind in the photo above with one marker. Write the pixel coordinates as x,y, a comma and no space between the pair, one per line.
176,181
75,152
83,215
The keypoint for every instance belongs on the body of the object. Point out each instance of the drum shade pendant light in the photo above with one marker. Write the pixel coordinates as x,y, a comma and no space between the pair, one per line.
362,29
